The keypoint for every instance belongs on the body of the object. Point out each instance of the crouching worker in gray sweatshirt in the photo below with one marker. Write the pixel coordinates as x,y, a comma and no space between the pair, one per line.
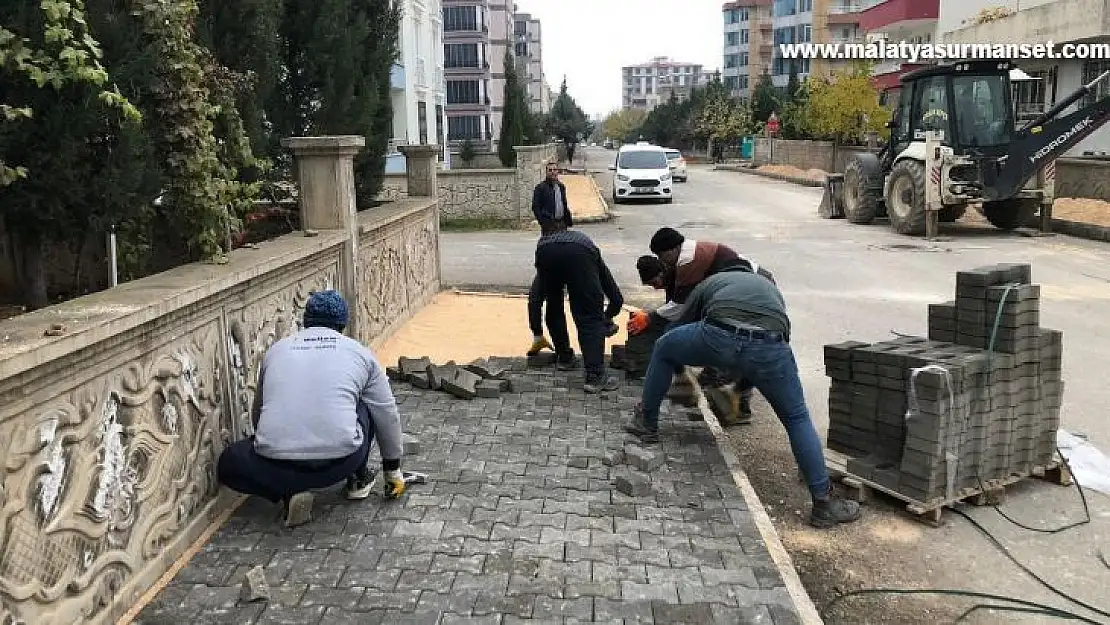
322,399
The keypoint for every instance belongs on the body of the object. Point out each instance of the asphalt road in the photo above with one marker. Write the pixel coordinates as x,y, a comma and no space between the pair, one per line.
845,282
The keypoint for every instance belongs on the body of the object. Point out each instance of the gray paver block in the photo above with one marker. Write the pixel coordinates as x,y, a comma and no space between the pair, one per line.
613,457
488,369
643,459
464,386
415,370
255,587
489,389
633,484
437,374
410,444
300,510
521,384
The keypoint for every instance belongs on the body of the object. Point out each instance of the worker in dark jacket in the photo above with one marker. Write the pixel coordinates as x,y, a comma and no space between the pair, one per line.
737,321
549,202
570,259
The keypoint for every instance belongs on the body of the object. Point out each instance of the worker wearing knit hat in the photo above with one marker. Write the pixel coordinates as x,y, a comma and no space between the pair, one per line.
666,243
321,402
326,309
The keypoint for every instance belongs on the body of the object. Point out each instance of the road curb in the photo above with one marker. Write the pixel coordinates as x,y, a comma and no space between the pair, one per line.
808,614
607,213
1081,230
806,182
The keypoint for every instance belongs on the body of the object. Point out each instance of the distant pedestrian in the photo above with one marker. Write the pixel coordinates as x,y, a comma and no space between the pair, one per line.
549,202
570,260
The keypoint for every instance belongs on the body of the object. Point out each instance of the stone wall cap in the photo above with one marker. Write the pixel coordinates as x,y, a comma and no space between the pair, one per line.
341,145
421,150
462,171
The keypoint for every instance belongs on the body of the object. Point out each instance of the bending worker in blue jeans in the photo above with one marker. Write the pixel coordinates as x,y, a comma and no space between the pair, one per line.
736,321
322,399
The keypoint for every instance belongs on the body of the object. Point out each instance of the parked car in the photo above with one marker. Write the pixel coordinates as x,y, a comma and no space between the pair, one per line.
677,165
641,171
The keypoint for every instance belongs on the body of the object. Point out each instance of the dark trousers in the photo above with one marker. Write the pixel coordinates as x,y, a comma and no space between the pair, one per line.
572,267
241,469
537,298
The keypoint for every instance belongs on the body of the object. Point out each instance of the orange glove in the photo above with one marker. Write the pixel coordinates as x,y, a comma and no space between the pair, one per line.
638,321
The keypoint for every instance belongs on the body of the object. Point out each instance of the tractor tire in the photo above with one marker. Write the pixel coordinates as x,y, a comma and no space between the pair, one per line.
905,198
862,190
1012,213
952,214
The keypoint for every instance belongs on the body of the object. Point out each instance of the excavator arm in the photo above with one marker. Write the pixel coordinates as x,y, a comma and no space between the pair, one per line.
1041,142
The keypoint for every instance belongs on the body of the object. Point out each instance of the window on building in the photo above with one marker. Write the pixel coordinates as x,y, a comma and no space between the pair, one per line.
439,124
732,60
743,81
732,39
805,6
732,16
422,120
463,127
744,35
782,8
521,48
743,59
460,19
1091,71
463,92
520,28
732,82
460,55
743,14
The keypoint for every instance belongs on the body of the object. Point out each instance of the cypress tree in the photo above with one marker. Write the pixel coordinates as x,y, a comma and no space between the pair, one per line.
513,115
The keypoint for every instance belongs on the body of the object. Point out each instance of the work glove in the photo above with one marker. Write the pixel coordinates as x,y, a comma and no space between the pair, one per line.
393,483
539,344
638,321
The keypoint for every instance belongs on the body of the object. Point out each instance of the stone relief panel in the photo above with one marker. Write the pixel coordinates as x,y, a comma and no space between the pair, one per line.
97,481
394,187
399,271
270,316
469,195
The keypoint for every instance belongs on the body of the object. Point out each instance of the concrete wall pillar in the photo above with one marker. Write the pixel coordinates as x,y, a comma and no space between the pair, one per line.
420,163
326,178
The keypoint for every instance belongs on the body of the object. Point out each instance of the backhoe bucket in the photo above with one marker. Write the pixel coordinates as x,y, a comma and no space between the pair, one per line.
832,202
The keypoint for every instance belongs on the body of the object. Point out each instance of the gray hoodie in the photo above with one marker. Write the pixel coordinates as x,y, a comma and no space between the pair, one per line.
310,385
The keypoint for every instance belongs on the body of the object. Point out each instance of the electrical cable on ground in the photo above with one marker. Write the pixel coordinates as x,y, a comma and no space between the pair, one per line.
1029,607
1021,604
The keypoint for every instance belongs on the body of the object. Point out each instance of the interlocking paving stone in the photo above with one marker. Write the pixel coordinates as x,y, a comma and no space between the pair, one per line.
520,523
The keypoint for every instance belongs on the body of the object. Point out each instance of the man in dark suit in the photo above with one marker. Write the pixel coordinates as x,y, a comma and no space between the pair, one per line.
549,202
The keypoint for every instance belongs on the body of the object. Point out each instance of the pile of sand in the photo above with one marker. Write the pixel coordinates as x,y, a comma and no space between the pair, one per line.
817,175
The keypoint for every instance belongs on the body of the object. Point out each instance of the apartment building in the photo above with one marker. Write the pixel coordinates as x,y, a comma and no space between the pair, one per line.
650,84
1041,21
417,81
748,45
476,34
528,52
792,21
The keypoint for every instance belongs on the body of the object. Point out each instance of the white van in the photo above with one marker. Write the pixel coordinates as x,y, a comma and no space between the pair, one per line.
641,172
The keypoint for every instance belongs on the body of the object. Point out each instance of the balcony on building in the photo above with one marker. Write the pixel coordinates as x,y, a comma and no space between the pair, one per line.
845,12
1060,22
892,15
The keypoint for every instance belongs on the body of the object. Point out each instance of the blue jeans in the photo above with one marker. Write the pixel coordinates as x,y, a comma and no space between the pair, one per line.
766,364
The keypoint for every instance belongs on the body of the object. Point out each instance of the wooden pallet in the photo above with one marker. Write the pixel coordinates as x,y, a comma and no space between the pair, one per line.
992,493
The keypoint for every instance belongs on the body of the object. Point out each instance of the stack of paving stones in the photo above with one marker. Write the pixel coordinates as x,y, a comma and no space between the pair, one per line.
485,377
526,517
994,415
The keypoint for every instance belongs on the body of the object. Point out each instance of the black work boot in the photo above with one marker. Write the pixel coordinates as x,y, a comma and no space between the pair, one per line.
746,406
832,510
567,362
639,429
600,383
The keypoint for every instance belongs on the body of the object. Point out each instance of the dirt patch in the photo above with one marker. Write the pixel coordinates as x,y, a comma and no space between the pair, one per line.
7,312
583,196
464,327
817,175
1082,210
881,550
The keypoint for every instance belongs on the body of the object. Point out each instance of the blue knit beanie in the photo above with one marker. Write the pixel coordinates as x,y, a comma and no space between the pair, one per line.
326,308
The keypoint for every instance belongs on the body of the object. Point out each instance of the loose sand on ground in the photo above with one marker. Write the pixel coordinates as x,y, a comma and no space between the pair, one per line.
463,327
583,196
789,170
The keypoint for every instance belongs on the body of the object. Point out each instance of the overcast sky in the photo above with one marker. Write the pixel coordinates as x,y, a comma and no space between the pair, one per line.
590,40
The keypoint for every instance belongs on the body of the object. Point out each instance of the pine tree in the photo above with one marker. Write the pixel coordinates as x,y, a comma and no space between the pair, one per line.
567,122
513,113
